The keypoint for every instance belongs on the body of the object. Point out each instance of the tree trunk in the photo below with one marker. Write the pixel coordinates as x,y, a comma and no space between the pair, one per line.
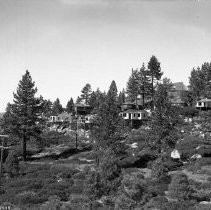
24,147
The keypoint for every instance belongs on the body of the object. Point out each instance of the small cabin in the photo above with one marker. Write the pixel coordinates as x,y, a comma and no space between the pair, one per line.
82,109
134,114
204,104
63,117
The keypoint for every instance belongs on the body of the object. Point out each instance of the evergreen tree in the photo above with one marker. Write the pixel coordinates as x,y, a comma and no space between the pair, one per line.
57,107
85,93
121,97
164,119
78,100
106,129
25,114
7,119
197,83
133,86
155,74
144,83
200,81
96,99
47,107
70,106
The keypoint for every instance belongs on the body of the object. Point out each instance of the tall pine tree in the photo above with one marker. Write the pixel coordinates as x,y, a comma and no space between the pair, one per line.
107,123
133,86
26,112
57,107
155,73
70,106
143,83
85,93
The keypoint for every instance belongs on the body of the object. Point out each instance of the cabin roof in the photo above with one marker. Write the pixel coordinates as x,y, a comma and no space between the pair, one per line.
133,111
205,100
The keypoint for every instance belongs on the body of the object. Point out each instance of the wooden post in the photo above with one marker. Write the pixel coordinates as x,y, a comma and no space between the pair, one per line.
2,150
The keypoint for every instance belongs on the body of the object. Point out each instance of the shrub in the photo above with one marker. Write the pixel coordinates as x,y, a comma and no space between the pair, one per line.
62,171
156,188
182,205
55,138
156,202
203,207
11,164
54,203
133,187
179,187
188,146
196,165
124,202
77,201
28,197
189,112
159,170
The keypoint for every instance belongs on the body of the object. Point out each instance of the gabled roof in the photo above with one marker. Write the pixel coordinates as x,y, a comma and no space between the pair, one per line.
133,111
82,105
65,114
205,100
177,101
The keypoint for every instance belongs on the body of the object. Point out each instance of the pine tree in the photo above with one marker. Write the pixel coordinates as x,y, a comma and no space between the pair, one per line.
197,83
57,107
143,83
26,111
155,73
47,107
133,86
121,97
106,129
200,81
70,106
78,100
85,93
164,119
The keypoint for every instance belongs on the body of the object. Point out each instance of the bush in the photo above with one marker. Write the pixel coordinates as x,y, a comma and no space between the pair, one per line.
159,170
156,188
188,146
62,171
94,188
156,202
196,165
27,197
54,203
133,187
189,112
11,164
182,205
179,188
55,138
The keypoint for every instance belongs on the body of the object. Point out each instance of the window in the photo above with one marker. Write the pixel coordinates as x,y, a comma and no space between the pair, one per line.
124,115
199,103
139,115
134,115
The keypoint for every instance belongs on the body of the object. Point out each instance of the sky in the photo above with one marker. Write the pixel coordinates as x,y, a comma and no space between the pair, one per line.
67,43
